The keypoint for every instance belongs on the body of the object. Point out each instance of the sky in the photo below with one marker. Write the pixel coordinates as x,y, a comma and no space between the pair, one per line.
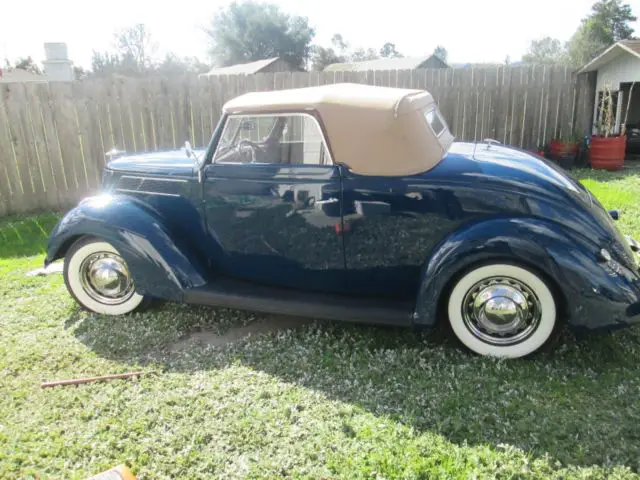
471,30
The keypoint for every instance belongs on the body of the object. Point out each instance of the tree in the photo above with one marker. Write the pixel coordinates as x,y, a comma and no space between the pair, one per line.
339,44
361,55
174,65
321,57
388,50
136,46
109,63
79,73
441,53
546,50
27,63
133,53
249,31
608,23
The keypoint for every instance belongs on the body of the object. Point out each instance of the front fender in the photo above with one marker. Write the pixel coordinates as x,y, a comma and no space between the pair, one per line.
595,294
160,265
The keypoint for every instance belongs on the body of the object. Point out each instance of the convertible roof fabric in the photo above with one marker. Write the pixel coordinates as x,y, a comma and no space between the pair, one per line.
372,130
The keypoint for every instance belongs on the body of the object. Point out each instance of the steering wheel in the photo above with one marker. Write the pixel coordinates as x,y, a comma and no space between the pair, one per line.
253,148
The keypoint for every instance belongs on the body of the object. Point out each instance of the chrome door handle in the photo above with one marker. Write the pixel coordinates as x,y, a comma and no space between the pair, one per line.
324,202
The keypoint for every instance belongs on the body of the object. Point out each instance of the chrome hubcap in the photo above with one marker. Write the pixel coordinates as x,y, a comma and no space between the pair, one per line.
501,311
105,278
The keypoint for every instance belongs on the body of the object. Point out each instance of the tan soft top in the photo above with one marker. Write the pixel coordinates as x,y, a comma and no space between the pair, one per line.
372,130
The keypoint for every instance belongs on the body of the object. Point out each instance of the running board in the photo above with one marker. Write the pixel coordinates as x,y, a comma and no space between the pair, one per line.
248,296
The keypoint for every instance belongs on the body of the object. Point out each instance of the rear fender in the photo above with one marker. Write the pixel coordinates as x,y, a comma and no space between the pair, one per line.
587,290
160,265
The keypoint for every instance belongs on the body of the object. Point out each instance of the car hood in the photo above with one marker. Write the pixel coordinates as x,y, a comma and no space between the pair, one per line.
174,162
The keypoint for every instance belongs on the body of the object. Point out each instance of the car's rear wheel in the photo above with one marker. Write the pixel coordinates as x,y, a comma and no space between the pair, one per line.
99,278
502,310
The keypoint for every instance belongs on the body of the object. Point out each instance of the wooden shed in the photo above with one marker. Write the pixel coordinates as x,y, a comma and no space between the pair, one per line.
618,67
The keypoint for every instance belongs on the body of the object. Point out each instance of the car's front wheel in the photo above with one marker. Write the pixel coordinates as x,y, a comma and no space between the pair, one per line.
99,278
502,310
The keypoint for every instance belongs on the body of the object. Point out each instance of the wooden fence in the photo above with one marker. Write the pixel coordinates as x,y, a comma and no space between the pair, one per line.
53,136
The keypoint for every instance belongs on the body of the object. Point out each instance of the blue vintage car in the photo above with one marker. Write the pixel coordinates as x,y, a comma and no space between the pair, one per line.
352,202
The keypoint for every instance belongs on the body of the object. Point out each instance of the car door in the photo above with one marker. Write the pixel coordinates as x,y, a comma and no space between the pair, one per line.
273,203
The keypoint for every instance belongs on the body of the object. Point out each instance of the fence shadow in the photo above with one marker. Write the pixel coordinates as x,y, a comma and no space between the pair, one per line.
568,403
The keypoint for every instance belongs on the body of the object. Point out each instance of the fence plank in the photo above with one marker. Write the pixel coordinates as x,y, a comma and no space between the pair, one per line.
52,154
11,183
45,181
22,145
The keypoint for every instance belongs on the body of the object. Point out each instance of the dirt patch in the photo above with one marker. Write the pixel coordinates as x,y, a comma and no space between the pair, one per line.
208,338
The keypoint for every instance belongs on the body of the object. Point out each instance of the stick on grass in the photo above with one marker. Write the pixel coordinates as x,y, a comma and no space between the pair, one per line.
78,381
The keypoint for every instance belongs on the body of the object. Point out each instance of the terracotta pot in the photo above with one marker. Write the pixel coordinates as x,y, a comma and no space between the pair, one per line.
559,149
607,152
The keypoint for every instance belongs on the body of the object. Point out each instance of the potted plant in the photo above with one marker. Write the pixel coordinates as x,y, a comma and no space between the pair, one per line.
607,149
564,149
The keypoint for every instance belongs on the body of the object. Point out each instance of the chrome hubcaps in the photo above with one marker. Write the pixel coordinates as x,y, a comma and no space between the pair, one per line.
105,278
501,311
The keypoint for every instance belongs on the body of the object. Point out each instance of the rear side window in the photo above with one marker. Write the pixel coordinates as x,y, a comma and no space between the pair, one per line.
435,121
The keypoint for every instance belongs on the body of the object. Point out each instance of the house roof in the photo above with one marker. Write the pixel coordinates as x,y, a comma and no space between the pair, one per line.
399,139
20,75
242,68
630,47
402,63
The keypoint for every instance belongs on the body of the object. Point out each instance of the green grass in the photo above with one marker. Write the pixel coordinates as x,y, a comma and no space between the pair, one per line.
322,401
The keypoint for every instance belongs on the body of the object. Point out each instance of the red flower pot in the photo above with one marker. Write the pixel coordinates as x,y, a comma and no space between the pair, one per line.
607,152
560,150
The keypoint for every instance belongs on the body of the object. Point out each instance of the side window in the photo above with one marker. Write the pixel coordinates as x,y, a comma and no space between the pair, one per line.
282,139
302,141
435,121
241,138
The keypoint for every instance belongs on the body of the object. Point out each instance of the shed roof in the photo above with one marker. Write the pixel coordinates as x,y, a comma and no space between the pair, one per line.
242,68
401,63
20,75
623,47
372,130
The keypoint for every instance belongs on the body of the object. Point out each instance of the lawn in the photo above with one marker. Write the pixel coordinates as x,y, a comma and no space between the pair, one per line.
319,401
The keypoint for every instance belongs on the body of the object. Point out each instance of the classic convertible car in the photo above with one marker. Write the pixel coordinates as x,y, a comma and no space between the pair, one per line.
352,202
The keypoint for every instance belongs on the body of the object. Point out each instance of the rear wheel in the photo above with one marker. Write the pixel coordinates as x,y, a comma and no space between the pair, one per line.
502,310
99,278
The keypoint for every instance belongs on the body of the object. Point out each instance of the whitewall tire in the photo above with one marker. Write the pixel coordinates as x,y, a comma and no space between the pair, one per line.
502,310
99,279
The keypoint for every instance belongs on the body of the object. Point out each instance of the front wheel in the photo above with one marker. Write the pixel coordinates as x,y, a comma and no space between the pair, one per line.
502,310
99,279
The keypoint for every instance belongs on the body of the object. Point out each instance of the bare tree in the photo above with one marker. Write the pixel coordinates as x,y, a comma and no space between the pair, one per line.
134,44
441,53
